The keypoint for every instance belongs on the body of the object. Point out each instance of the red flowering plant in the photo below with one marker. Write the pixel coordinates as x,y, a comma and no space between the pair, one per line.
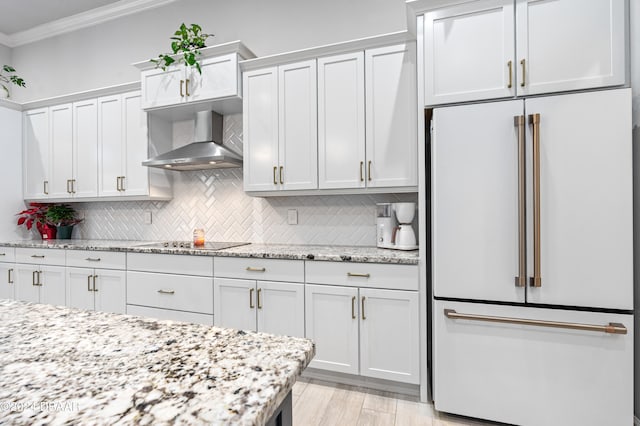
36,214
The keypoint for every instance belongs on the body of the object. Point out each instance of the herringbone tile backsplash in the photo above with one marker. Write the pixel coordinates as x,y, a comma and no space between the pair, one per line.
214,200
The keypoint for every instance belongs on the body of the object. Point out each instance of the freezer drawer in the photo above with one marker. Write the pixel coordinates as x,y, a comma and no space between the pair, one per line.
532,375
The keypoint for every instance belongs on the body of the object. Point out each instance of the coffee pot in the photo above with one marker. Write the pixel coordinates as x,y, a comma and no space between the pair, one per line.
390,234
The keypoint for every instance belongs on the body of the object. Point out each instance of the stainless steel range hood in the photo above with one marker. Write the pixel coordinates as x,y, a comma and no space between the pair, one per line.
205,152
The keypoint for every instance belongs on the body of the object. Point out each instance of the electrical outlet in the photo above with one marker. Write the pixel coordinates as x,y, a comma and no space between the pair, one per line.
292,217
148,217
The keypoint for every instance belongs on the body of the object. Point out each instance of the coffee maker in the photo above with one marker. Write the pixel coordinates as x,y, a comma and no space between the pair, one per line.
391,235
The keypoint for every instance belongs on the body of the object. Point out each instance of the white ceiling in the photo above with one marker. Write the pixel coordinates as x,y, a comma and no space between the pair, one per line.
26,21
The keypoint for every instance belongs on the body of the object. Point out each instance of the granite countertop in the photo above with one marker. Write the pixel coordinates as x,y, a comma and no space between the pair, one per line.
61,366
267,251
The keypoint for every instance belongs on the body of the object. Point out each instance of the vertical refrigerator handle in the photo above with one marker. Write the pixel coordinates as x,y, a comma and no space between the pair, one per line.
521,279
534,121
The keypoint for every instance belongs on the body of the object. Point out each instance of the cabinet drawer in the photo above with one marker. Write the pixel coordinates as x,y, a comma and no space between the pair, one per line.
168,314
181,292
7,254
495,370
96,259
259,269
40,256
376,275
170,263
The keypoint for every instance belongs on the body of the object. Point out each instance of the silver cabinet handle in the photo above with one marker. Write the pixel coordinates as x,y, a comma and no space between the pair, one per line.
162,291
3,254
89,282
611,328
521,279
536,280
45,187
363,317
252,269
356,274
69,186
94,283
251,305
353,307
10,278
122,188
92,259
186,87
259,300
73,186
33,278
524,71
37,256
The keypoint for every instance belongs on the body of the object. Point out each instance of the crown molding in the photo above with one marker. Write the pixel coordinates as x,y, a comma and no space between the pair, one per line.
80,20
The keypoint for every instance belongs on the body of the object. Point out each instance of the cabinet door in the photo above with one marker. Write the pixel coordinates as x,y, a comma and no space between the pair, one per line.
219,78
26,283
389,335
61,144
52,285
260,129
162,88
85,149
7,281
474,176
570,44
110,146
110,291
298,126
586,200
80,288
234,303
468,52
528,375
331,318
341,133
280,308
135,177
392,140
36,154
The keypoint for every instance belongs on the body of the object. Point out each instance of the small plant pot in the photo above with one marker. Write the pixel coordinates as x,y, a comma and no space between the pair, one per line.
64,232
47,232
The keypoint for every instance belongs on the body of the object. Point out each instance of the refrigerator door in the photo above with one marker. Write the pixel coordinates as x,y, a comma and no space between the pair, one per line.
475,201
585,206
531,375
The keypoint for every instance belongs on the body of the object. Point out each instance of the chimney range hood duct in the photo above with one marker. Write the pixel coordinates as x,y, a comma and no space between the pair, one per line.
206,152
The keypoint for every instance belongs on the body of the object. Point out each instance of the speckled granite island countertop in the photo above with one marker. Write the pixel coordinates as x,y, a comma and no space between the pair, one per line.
267,251
66,366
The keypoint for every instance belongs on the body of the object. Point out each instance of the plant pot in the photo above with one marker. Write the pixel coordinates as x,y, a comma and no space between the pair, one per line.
64,232
47,232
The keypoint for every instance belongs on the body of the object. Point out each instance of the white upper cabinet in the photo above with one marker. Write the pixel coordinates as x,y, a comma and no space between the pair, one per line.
280,128
468,52
341,121
110,146
36,154
85,149
569,44
391,131
61,144
162,88
560,45
219,78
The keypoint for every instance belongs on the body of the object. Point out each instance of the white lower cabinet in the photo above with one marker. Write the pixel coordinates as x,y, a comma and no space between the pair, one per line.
532,375
96,289
266,306
364,331
169,314
40,284
7,281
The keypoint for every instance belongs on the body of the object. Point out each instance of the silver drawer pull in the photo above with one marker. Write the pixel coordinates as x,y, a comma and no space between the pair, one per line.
161,291
37,256
611,328
356,274
251,269
3,254
93,259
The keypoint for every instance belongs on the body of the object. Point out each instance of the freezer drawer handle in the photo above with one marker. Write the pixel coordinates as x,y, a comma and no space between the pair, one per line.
611,328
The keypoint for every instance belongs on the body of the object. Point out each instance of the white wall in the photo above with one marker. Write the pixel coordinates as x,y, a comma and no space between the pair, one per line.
5,55
635,84
10,173
101,55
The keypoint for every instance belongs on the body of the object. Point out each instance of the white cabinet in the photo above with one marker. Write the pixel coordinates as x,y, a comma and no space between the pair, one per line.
40,284
266,306
179,84
61,148
364,331
259,294
84,179
96,289
469,51
36,154
532,375
280,128
7,273
585,205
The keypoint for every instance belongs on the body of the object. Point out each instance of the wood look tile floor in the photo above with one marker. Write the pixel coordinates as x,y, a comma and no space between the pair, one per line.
321,403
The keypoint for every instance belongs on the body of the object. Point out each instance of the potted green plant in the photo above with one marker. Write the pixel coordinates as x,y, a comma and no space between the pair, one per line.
63,216
36,215
8,76
185,48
